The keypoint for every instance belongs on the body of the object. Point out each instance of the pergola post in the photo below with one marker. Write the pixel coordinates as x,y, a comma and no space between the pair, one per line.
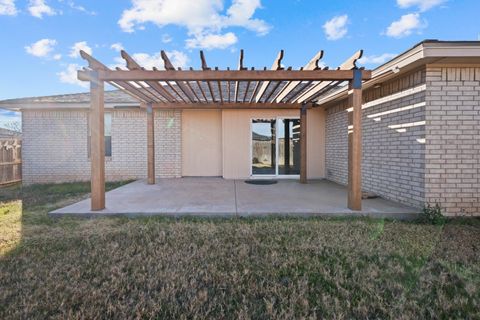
303,143
355,143
150,144
97,142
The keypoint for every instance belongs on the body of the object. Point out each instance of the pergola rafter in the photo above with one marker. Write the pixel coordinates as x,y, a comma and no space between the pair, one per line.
314,91
291,85
279,88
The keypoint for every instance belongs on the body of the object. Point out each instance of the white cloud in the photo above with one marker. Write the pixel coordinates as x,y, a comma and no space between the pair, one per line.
336,28
57,56
200,17
69,75
38,8
423,5
212,41
75,49
405,26
42,48
148,61
117,46
240,14
376,59
166,38
80,8
7,8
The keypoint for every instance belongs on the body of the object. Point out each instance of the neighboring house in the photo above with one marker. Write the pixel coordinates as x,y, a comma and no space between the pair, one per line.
9,134
421,134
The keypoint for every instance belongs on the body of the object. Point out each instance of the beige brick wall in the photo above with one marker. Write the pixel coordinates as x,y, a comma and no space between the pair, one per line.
55,145
452,176
168,144
393,157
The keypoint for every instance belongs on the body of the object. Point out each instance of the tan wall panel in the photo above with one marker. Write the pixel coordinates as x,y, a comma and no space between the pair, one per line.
237,135
201,143
315,143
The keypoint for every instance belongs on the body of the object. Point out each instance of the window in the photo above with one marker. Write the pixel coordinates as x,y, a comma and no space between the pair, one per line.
107,133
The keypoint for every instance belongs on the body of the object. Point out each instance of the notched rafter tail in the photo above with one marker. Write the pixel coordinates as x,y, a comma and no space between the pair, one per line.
205,68
169,66
133,65
313,64
277,65
124,86
240,67
349,64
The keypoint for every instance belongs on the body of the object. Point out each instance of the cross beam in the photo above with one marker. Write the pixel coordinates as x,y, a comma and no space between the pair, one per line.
229,105
224,75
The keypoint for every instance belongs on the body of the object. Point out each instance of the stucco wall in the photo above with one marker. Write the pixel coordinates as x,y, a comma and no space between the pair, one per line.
236,140
393,127
202,143
55,145
452,176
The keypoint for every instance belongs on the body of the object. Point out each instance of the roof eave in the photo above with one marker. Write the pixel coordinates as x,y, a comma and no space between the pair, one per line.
423,53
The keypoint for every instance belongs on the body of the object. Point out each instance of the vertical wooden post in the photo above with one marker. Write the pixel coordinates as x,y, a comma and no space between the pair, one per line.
303,144
355,144
97,143
150,144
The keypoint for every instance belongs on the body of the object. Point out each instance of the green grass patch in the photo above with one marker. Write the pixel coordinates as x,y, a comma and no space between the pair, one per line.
280,268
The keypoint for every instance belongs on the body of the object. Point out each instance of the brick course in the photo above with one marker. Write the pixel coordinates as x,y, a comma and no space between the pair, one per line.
452,175
55,145
392,162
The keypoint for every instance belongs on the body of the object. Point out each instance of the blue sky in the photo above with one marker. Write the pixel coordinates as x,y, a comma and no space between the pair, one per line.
41,38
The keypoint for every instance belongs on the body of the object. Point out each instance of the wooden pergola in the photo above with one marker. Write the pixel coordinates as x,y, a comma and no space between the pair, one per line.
242,88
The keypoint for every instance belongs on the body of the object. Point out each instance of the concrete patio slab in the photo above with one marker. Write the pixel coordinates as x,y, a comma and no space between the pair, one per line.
217,197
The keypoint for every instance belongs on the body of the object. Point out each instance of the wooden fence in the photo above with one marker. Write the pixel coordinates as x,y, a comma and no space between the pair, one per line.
10,161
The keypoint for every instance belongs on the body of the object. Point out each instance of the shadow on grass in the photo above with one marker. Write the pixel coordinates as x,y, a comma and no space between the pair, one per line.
159,267
25,208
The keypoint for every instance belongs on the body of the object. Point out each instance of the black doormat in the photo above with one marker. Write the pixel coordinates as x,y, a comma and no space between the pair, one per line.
261,182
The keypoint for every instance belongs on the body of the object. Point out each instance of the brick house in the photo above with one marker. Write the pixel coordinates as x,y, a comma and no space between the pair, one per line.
421,134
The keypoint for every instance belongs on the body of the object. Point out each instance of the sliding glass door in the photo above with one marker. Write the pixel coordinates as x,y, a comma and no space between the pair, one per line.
275,147
263,147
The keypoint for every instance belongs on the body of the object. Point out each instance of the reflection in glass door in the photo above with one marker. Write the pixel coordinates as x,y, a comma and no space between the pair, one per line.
289,147
275,147
263,147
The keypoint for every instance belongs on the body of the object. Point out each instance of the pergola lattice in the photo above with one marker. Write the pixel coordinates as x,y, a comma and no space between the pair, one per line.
243,88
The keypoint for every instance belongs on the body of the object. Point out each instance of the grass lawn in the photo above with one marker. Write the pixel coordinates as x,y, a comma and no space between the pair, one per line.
235,269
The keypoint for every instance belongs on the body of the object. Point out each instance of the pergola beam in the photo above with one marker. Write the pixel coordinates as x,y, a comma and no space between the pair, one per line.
225,75
229,105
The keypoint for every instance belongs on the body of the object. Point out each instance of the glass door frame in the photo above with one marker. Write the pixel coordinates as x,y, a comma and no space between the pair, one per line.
276,175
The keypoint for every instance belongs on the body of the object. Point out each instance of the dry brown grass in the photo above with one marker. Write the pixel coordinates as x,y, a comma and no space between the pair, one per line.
237,269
